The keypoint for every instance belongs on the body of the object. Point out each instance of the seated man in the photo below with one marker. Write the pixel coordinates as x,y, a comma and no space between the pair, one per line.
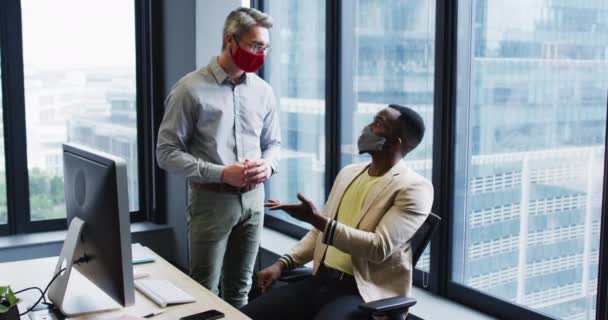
360,243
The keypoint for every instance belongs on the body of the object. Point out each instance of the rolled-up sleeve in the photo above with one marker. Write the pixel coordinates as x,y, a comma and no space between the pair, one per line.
270,139
176,129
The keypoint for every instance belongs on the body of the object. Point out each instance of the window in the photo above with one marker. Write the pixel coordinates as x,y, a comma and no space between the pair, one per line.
524,102
393,44
296,71
3,205
529,158
80,86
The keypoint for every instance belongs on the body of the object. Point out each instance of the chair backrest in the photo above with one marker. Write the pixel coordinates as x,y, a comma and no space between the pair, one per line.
422,237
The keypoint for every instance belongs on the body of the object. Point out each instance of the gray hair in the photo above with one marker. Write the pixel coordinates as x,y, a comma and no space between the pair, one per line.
239,22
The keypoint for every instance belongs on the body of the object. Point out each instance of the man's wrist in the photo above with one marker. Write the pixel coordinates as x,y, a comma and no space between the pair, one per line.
211,172
282,265
269,170
285,262
319,221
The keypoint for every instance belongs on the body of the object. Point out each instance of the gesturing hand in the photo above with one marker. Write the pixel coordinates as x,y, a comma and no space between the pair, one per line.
304,211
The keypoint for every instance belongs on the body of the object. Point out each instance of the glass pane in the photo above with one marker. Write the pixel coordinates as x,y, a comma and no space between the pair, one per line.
79,64
394,62
3,205
424,263
530,148
296,72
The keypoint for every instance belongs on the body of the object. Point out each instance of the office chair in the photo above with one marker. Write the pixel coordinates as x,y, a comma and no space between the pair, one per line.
396,307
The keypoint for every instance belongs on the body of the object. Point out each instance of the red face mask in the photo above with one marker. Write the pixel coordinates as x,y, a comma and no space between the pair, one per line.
247,61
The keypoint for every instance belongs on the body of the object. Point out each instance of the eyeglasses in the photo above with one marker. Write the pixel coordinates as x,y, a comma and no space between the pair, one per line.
255,48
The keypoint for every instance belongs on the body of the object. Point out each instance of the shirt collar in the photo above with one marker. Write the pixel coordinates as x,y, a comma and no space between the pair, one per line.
221,76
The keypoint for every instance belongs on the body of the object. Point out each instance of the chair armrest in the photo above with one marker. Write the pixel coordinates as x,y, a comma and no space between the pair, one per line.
389,305
296,274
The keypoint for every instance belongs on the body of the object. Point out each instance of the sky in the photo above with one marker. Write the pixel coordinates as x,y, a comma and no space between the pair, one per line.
78,33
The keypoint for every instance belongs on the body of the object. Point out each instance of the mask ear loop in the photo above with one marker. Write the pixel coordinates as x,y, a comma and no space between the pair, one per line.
236,42
389,142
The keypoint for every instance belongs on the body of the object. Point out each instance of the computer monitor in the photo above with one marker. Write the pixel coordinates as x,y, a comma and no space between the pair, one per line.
97,207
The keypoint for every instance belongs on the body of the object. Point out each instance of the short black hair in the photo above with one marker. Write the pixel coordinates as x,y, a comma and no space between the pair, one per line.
413,125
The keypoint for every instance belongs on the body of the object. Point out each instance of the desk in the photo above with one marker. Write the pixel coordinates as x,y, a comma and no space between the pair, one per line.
38,272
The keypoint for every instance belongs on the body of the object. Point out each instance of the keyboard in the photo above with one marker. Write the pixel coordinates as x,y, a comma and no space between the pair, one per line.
162,292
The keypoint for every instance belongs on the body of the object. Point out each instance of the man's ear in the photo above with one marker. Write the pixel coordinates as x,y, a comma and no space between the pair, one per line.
398,141
229,40
392,143
403,145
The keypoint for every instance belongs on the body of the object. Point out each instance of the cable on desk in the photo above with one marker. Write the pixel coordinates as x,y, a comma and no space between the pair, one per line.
80,260
32,288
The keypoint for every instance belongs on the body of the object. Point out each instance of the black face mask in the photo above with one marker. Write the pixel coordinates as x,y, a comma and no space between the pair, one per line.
370,142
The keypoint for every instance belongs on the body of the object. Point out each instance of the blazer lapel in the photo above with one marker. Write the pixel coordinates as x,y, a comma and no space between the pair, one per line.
341,186
377,190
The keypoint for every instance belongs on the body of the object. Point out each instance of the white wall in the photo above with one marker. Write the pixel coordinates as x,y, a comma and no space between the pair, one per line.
210,17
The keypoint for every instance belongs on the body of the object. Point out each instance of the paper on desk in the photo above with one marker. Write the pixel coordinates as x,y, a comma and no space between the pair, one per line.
141,254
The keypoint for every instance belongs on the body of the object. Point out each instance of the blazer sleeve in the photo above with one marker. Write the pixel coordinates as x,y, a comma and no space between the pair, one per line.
408,212
302,252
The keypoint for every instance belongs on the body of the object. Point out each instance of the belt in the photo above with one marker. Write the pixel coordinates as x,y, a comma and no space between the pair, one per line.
334,274
221,187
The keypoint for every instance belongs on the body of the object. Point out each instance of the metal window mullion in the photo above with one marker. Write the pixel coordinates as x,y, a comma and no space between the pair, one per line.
333,90
348,59
602,286
13,103
444,123
264,71
157,105
145,148
4,230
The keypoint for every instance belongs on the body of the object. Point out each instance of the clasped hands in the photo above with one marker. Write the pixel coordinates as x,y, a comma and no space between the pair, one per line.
247,173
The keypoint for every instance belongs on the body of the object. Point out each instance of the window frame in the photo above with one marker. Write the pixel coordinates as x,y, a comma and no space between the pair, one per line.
602,287
444,135
150,180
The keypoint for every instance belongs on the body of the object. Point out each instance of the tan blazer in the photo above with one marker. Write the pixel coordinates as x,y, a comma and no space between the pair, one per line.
394,209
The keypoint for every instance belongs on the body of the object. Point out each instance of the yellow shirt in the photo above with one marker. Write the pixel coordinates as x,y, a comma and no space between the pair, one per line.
351,204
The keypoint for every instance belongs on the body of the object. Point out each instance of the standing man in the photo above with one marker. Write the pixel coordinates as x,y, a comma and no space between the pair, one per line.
221,131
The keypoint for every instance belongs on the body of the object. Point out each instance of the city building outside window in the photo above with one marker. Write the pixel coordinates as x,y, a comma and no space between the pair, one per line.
80,87
296,71
394,62
531,121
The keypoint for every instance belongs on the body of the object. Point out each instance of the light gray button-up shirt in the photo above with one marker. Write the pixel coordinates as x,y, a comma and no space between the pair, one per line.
210,123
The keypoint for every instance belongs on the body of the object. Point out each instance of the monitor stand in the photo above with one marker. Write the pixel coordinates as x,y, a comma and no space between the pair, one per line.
81,295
